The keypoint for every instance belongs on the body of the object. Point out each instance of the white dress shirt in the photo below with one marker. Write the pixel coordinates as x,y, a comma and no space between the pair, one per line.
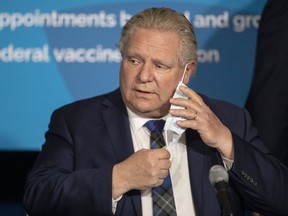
179,168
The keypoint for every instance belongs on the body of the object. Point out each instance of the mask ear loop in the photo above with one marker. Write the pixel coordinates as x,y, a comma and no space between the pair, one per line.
184,72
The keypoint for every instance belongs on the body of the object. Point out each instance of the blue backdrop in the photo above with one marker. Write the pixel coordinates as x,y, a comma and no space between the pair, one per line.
55,52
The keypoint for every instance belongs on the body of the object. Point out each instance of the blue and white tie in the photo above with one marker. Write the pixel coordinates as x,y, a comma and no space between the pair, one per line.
163,200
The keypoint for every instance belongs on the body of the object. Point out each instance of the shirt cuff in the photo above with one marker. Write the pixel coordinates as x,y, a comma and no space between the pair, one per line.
114,203
227,163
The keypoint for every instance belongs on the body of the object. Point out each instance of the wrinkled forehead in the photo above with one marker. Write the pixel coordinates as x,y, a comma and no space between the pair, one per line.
162,44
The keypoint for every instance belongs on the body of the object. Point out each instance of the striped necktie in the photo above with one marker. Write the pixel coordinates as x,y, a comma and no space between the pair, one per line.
163,200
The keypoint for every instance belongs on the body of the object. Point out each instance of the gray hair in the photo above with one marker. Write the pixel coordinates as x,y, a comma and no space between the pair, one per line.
163,19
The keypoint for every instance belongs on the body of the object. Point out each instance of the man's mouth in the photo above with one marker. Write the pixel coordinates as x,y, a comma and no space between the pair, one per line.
140,91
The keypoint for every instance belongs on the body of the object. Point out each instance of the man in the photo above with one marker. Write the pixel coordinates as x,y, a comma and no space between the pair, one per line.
267,101
97,160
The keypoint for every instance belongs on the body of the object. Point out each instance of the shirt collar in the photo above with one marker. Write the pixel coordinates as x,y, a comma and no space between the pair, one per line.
136,121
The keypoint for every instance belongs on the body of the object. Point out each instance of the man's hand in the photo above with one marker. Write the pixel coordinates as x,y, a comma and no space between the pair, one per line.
202,119
146,168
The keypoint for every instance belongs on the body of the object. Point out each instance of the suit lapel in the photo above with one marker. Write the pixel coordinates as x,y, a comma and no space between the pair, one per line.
117,123
195,162
200,159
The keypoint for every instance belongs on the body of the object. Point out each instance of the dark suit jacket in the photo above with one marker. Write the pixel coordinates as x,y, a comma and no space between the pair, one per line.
73,173
268,98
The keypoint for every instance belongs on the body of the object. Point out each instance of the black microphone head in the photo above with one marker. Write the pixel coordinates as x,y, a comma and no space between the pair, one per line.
218,173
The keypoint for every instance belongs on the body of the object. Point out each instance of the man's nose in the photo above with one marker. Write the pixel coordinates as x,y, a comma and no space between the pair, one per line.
146,73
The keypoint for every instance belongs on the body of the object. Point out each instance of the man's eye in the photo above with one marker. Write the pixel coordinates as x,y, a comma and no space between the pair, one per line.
162,67
134,61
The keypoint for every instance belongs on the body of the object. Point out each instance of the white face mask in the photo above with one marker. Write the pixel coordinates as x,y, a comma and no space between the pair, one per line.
170,124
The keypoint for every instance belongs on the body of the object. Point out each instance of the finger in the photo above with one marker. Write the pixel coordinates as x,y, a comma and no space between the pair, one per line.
162,153
186,103
159,182
190,114
163,174
191,94
164,164
188,124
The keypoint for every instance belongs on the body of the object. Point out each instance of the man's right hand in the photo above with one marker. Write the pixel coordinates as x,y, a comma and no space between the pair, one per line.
144,169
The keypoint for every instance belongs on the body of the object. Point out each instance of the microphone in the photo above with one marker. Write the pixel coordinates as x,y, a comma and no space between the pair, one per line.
219,179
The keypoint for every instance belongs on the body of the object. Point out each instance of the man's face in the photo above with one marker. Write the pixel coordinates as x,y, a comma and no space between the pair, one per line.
150,72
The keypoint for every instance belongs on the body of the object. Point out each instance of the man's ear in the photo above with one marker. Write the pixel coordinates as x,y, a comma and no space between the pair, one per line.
191,66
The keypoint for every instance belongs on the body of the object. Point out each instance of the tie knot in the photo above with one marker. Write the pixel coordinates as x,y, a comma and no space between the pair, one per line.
155,125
